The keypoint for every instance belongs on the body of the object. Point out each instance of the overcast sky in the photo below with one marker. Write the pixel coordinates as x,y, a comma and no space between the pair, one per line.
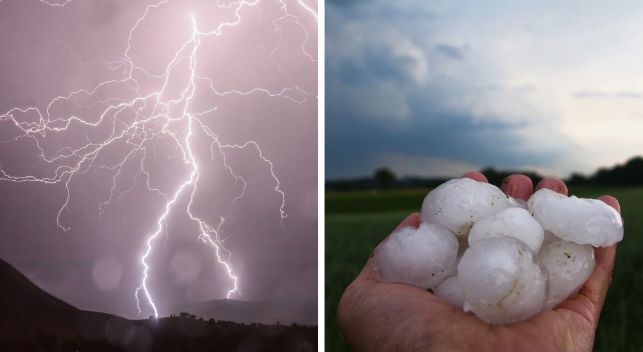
257,81
441,87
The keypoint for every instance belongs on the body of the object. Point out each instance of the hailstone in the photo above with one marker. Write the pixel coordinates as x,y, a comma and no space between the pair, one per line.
451,291
518,203
567,265
511,222
422,257
549,238
578,220
500,281
501,258
457,204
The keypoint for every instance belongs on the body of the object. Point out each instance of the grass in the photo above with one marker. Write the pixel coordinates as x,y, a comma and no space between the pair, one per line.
357,222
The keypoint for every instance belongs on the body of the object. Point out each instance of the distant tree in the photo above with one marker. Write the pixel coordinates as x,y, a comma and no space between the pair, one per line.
384,178
497,177
602,176
634,171
630,173
578,179
494,177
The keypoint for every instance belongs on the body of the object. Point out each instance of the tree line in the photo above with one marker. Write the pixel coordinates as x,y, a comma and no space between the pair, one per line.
628,173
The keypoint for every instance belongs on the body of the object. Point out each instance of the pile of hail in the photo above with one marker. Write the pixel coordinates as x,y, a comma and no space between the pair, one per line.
501,258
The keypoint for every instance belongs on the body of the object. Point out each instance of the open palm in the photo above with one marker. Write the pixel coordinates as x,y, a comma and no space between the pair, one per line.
379,316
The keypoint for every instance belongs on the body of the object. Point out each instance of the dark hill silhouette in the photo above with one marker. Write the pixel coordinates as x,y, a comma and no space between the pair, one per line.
33,320
265,312
18,293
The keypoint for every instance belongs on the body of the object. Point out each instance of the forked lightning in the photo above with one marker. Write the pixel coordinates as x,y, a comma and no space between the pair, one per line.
156,119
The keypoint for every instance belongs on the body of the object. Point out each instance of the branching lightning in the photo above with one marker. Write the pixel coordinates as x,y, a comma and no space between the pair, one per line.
156,118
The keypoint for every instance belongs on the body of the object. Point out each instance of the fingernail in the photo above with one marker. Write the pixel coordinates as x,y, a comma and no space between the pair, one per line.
552,184
611,201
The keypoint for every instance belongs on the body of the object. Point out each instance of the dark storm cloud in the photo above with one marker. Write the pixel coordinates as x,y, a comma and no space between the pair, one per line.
353,140
599,94
378,64
389,12
346,3
634,95
388,92
450,51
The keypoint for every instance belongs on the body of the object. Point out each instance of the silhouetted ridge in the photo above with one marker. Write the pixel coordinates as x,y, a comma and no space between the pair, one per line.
18,294
33,320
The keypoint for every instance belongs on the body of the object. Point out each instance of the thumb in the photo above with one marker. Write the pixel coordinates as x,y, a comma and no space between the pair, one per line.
595,289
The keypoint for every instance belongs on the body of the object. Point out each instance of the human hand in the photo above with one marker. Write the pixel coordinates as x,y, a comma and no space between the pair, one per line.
379,316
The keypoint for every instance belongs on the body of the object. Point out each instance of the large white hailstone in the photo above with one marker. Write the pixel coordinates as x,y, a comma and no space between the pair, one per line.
451,291
458,204
578,220
568,265
517,202
422,257
511,222
549,238
500,281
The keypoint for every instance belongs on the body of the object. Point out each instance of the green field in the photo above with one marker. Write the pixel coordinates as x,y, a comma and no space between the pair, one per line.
357,222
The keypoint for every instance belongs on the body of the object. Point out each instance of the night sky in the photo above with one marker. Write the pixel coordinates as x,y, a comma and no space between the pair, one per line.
253,88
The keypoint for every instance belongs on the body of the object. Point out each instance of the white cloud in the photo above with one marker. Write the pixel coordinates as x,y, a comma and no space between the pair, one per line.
411,58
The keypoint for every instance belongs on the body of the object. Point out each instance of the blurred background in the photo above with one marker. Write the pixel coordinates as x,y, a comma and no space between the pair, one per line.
420,92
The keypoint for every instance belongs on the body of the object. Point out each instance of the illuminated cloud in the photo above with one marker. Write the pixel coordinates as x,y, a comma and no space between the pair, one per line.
160,128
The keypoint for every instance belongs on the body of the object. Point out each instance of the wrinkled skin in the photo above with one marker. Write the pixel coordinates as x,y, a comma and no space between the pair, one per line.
378,316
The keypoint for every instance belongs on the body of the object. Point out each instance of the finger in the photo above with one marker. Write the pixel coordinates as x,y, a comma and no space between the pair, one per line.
611,201
475,175
412,220
553,184
517,186
595,288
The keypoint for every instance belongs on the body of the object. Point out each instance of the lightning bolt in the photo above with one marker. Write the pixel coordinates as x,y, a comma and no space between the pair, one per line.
157,118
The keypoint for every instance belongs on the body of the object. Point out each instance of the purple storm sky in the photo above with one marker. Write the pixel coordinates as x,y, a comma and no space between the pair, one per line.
126,102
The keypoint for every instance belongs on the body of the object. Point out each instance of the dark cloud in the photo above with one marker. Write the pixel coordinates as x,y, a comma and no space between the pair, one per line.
402,11
345,3
450,51
354,143
378,63
586,94
376,108
599,94
385,11
634,95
